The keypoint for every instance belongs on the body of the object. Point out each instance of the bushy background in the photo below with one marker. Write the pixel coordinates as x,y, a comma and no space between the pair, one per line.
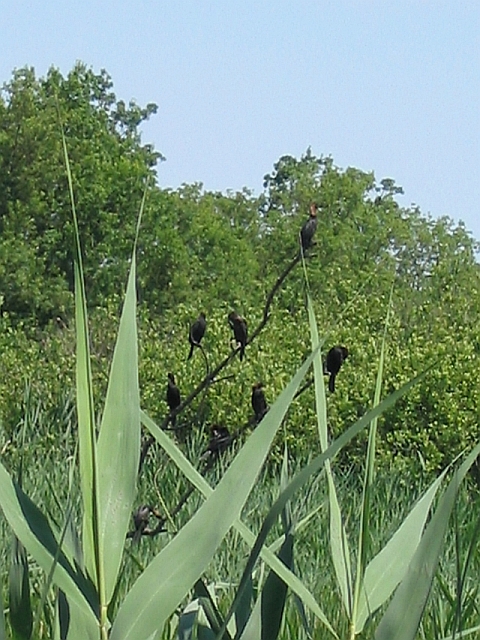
213,252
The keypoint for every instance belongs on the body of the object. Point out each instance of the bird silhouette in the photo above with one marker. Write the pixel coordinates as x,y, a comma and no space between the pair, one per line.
173,396
220,440
335,358
308,230
140,521
259,403
239,326
197,331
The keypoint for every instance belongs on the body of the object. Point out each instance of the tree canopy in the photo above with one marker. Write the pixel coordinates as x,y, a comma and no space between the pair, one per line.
215,252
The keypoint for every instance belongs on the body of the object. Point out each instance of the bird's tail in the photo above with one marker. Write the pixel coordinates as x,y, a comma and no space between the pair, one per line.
191,352
331,383
137,536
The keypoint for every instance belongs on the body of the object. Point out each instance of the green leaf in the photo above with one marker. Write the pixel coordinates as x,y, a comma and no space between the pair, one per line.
338,537
364,529
313,467
198,481
253,628
274,594
386,570
404,613
37,536
177,567
72,622
466,633
188,621
85,403
209,607
244,609
21,617
118,449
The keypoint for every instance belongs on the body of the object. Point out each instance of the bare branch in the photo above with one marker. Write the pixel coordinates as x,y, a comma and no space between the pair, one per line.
210,377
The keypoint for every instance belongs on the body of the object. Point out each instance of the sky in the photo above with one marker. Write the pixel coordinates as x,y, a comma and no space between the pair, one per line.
386,86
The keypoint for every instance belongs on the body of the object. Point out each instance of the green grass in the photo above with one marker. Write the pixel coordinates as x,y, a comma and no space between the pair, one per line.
391,499
367,507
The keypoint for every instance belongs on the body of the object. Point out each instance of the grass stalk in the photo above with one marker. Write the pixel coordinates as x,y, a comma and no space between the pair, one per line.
86,419
364,529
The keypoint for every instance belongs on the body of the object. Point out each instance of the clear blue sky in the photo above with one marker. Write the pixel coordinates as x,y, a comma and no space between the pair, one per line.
389,87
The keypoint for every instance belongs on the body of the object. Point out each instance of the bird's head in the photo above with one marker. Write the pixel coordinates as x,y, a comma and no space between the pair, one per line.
215,430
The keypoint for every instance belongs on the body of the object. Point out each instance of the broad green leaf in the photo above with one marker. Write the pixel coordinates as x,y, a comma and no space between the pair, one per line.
386,570
210,614
245,606
72,622
37,536
86,429
188,621
274,594
20,607
198,481
118,449
205,633
177,567
72,552
403,615
85,402
253,628
338,537
313,467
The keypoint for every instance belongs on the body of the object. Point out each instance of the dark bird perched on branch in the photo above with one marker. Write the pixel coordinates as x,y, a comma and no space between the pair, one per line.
335,358
259,404
220,440
140,521
173,396
197,331
308,230
239,326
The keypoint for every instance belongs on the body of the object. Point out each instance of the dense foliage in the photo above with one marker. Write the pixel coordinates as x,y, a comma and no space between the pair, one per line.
213,252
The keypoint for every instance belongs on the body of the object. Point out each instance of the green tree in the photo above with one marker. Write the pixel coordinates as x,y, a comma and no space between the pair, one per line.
109,166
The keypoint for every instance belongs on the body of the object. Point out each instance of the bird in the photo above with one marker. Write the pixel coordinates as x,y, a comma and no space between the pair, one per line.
335,358
197,331
140,521
259,403
220,440
239,326
308,230
173,396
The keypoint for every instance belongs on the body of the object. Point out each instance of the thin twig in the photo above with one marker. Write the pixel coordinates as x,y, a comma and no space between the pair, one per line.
210,461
